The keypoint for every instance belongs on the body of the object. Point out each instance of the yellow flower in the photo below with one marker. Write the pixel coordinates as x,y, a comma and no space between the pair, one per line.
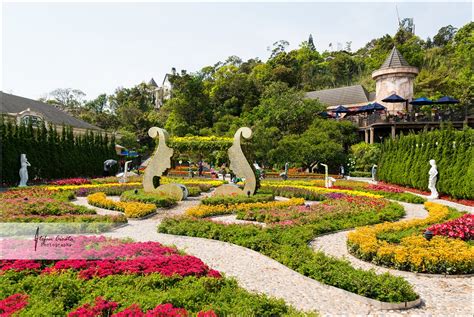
131,209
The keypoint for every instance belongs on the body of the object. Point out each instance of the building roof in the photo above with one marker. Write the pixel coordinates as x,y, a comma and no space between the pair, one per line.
152,83
342,96
394,59
16,104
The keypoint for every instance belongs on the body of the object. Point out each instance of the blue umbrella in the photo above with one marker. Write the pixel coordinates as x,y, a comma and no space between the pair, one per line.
421,101
394,98
341,109
446,100
377,106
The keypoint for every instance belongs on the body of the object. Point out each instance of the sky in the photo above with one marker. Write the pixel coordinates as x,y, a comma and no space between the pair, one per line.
97,47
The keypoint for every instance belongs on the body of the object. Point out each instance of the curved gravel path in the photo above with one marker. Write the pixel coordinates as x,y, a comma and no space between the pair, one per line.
441,296
258,273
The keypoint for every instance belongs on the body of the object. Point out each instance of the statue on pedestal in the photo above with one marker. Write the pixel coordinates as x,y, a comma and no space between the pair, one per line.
23,170
433,177
374,173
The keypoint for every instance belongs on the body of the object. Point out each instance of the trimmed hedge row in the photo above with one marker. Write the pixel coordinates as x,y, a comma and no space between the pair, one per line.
405,161
139,195
52,155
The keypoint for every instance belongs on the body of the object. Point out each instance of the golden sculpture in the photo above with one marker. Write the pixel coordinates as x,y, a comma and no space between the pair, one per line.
239,164
159,163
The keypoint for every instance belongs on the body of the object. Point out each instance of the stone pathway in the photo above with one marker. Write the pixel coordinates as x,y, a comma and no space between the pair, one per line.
232,219
258,273
441,296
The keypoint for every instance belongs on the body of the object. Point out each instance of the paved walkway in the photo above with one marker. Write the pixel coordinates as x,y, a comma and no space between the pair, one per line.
258,273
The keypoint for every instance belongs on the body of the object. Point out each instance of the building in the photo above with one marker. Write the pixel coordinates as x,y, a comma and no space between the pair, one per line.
163,92
24,110
394,76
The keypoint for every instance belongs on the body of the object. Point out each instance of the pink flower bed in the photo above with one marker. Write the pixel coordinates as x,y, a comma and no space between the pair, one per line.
105,308
384,188
12,304
98,256
461,228
71,181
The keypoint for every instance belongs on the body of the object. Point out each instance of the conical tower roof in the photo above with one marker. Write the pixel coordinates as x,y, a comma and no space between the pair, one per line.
152,83
395,59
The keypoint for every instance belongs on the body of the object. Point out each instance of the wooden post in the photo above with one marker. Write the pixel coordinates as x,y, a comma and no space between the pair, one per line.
366,135
372,132
394,132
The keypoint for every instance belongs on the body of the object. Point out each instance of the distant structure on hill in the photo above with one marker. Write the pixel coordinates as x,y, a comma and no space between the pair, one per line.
24,110
395,76
163,92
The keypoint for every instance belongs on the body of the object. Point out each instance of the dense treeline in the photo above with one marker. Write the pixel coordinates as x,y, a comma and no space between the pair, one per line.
51,154
405,161
269,96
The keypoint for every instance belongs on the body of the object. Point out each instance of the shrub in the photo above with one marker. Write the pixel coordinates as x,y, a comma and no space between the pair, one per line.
360,174
160,201
405,160
290,192
194,191
237,199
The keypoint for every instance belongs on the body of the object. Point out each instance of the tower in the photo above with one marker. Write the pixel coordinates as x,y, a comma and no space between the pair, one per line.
395,76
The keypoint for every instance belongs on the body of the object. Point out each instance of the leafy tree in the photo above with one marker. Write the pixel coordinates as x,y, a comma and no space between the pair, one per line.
311,43
66,98
444,35
365,155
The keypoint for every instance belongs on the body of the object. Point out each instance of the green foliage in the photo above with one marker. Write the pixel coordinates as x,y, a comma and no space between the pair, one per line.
405,161
58,294
160,201
360,174
365,155
291,192
230,200
290,247
52,155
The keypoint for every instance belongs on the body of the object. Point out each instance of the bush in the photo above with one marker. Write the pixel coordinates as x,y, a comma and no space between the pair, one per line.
239,199
290,192
52,155
405,161
158,200
194,191
360,174
289,245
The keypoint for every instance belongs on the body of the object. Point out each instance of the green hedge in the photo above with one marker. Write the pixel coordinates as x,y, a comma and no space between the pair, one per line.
160,201
52,155
405,161
360,174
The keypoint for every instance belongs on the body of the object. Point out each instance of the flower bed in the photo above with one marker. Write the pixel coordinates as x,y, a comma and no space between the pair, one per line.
236,199
130,209
38,204
160,201
414,252
109,280
341,206
213,210
288,244
87,189
323,190
461,228
70,181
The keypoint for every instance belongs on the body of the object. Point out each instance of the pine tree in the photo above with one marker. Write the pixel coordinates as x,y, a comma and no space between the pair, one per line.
311,43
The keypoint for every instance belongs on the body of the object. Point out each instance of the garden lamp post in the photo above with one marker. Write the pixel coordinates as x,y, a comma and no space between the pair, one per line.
326,175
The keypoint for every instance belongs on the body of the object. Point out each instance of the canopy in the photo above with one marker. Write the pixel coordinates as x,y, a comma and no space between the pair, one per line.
421,101
371,107
341,109
446,100
394,98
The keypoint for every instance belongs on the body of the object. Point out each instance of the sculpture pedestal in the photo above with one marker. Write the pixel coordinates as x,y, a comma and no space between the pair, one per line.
228,190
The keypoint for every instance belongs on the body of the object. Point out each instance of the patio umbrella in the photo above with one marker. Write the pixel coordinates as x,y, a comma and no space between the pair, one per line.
393,98
341,109
446,100
377,106
421,101
110,162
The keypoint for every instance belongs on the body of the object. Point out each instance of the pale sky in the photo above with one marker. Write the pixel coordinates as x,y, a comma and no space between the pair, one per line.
99,47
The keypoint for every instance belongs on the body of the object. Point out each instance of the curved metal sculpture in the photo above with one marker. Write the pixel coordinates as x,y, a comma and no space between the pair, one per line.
238,162
160,161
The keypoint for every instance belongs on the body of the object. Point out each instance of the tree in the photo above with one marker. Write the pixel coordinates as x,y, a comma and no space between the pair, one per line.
444,35
365,155
97,105
66,98
278,48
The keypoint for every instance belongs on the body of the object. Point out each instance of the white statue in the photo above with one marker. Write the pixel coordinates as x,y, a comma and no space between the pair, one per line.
23,170
326,176
125,172
432,180
374,173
